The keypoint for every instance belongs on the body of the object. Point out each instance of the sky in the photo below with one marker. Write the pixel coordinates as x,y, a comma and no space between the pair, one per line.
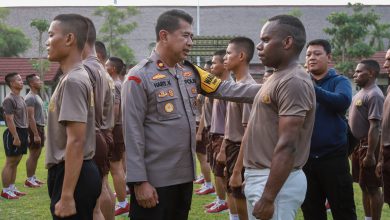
21,3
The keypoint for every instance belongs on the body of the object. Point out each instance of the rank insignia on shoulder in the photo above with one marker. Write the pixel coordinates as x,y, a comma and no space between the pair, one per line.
160,64
171,93
162,94
187,74
135,78
158,76
169,107
266,99
359,102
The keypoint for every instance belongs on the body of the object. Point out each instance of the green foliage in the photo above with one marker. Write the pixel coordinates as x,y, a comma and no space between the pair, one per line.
42,25
349,35
40,65
12,40
116,24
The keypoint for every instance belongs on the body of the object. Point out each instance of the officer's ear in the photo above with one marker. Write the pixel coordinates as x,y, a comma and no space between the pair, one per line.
163,35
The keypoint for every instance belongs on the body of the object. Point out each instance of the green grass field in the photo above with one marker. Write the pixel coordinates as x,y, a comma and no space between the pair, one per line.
35,205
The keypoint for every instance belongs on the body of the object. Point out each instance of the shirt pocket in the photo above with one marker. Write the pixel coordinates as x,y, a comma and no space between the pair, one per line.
192,97
167,105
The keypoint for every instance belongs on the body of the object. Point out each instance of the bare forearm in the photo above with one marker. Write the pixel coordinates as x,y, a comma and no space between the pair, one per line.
281,167
73,163
33,125
373,138
240,161
201,124
11,126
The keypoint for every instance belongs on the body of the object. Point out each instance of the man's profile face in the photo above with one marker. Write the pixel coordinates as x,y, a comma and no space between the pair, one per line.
17,82
317,60
232,58
217,67
270,48
180,41
386,65
361,75
36,82
110,67
56,43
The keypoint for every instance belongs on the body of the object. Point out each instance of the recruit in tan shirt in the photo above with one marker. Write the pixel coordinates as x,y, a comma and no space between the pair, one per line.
71,101
237,115
15,105
366,105
288,92
386,120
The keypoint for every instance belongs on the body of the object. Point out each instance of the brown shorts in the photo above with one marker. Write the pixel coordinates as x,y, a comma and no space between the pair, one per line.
41,132
386,174
365,176
117,149
201,145
232,149
215,146
101,154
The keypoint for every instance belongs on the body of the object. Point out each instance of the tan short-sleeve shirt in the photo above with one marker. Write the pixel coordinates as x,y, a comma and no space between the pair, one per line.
288,92
386,120
15,105
366,105
72,101
237,116
118,88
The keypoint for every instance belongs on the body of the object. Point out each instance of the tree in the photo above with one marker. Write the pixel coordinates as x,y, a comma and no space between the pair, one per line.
296,13
349,35
379,32
116,24
12,40
41,65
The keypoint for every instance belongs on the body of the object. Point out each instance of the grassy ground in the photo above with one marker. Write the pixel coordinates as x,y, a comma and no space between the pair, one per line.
35,205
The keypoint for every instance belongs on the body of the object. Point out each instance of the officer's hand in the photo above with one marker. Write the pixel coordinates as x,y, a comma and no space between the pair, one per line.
146,195
221,157
369,161
65,207
263,209
198,137
378,170
16,142
235,179
37,139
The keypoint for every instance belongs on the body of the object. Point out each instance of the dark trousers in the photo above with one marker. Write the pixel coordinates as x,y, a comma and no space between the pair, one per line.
86,193
174,204
329,178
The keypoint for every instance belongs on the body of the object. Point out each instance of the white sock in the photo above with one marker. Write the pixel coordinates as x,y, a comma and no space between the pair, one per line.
208,185
233,216
367,218
123,204
220,201
31,179
11,187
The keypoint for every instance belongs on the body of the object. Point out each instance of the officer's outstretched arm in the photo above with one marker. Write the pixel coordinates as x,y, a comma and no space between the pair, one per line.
212,86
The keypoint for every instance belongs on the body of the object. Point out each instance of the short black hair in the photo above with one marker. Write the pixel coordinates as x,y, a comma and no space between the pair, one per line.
245,44
118,63
101,49
220,53
30,78
124,68
208,62
169,21
371,65
9,78
321,42
292,27
76,24
91,36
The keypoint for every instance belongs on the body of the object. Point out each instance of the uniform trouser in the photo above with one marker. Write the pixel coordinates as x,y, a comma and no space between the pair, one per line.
174,204
289,198
86,193
329,178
